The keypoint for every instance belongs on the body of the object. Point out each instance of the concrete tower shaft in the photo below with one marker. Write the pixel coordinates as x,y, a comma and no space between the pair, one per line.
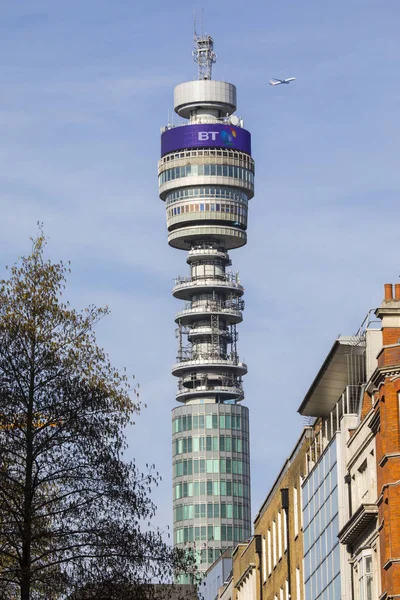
206,178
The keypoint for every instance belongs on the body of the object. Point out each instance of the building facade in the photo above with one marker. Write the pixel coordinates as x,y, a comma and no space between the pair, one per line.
270,565
383,390
341,486
216,577
206,179
335,399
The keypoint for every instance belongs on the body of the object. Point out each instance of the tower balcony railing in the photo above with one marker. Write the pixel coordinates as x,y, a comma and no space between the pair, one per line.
231,304
210,361
229,308
228,277
229,280
231,389
189,355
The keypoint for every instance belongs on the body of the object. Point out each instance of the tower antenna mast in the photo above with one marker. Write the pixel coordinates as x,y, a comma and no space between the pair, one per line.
203,53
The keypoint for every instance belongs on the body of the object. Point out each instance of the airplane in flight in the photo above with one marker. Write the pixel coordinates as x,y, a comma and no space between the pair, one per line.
275,81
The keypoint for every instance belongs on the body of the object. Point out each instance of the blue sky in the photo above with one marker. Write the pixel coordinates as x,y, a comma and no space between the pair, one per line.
85,87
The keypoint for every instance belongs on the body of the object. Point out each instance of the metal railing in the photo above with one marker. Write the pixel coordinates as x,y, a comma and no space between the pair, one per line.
230,278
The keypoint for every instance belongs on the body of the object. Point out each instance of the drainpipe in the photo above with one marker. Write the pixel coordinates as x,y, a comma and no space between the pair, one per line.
347,480
285,506
258,540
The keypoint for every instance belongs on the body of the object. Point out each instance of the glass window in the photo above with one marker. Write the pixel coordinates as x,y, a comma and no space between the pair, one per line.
217,533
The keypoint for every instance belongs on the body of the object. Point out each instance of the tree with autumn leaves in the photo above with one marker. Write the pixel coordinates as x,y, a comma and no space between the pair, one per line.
71,507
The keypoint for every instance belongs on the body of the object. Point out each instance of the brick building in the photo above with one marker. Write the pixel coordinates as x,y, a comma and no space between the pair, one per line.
384,392
270,565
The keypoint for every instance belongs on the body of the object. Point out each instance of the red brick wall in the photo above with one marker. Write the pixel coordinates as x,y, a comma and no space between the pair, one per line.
388,467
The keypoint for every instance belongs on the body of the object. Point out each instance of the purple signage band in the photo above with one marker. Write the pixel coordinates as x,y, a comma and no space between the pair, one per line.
205,135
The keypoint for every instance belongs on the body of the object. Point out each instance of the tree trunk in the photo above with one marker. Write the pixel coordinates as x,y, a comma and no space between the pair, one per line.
25,587
27,527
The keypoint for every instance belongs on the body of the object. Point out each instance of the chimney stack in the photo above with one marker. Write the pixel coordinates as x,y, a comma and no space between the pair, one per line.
388,292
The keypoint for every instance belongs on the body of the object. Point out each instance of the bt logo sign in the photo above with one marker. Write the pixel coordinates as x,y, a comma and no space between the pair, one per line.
226,136
204,136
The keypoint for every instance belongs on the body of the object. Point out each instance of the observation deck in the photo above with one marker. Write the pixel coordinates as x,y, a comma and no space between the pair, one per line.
186,287
224,392
230,314
206,363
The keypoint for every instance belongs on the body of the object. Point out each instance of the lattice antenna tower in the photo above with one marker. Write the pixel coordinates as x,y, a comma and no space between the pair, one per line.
203,53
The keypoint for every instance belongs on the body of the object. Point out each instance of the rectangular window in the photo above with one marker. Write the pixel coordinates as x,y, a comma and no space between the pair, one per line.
269,551
264,558
365,577
279,534
295,512
274,543
300,501
284,531
298,597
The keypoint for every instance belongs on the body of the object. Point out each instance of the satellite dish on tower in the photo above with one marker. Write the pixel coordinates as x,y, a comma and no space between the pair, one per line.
234,120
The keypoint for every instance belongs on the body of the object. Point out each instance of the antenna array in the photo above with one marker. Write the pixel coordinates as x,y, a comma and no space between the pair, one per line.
203,53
